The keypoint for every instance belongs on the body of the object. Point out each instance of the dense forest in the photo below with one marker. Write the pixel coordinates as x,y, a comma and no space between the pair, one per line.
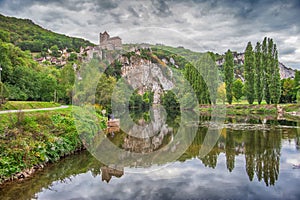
22,78
29,36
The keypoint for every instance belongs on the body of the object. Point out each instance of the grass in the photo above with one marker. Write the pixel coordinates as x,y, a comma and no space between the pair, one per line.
244,101
34,138
243,109
292,108
17,105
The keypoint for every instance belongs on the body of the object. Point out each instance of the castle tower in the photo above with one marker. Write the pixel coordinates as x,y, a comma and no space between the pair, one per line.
103,37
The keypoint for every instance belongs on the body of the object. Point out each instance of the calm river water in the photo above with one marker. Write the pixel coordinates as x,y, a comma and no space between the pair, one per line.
254,158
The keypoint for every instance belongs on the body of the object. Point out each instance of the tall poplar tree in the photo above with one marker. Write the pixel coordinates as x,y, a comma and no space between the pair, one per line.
265,70
259,82
275,84
229,75
249,73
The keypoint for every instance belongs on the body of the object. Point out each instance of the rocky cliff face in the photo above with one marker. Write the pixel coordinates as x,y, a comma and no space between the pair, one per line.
286,72
144,75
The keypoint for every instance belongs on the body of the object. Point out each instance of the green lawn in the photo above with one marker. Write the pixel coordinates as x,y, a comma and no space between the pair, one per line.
17,105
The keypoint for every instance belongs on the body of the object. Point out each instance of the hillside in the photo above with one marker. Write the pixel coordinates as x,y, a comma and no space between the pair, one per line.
29,36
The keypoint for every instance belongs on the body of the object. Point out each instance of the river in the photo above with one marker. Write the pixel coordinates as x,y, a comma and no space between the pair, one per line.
254,158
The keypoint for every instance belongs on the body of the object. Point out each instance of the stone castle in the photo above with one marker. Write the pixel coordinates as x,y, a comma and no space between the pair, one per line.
110,43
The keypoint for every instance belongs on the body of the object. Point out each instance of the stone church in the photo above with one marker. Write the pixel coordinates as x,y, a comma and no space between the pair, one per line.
110,43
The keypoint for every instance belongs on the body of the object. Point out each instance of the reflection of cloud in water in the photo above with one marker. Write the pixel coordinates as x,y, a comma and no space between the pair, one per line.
179,181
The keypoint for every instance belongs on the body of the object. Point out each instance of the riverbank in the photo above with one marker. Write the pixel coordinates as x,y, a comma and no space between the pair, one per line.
28,141
286,110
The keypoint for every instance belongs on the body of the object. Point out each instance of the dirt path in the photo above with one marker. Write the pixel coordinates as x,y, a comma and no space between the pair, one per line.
32,110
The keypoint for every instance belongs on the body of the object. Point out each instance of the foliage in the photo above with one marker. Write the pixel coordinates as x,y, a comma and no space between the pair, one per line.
114,70
296,87
66,81
266,70
141,102
55,51
237,89
249,75
274,76
4,93
229,75
73,57
287,91
170,102
26,80
203,77
40,137
222,92
259,84
29,36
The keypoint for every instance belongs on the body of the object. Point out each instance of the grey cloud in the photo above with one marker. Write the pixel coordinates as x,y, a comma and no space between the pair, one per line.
161,8
133,12
107,4
288,50
214,25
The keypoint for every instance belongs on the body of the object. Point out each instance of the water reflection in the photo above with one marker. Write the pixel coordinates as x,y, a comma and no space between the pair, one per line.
107,173
263,157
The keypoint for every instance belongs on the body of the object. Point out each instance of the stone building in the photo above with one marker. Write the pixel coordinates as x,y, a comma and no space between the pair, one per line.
110,43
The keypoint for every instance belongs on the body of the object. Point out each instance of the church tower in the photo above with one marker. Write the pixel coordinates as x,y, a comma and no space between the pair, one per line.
103,37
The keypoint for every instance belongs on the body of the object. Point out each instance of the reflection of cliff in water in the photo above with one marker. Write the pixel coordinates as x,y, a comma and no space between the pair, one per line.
107,173
146,137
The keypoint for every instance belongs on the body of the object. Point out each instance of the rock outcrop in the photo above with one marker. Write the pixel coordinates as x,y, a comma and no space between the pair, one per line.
144,75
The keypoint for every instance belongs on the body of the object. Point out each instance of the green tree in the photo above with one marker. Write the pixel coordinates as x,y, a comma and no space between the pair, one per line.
249,73
73,57
209,72
4,93
222,92
296,83
170,102
259,85
48,87
4,36
297,79
66,83
193,75
229,75
237,89
266,70
104,90
274,77
55,51
287,95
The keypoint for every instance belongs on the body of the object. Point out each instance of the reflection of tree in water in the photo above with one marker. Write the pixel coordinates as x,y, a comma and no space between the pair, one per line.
210,160
298,136
261,149
262,154
230,151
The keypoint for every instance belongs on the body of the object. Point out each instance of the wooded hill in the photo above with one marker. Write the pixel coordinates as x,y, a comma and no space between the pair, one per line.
29,36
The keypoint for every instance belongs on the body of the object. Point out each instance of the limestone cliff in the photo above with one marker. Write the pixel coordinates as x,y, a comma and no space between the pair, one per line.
144,75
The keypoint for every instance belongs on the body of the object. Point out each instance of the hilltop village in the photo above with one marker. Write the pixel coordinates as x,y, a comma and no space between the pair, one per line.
60,57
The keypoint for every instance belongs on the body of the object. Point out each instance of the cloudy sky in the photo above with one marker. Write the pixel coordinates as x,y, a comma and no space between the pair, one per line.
201,25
